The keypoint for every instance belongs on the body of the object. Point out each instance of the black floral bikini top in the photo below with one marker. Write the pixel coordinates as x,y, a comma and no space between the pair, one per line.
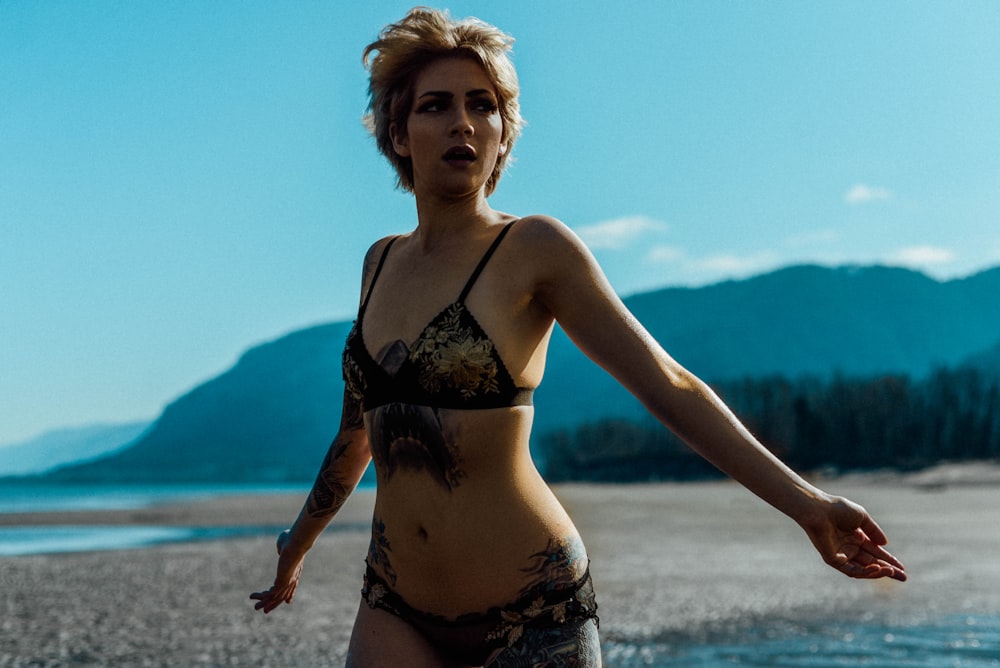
452,364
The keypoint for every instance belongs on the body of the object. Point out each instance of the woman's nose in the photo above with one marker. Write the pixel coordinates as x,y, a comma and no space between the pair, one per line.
462,124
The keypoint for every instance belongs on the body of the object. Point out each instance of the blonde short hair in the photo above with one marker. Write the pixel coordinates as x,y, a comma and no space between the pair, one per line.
405,48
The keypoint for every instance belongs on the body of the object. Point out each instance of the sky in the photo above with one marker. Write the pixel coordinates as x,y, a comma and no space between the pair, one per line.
182,180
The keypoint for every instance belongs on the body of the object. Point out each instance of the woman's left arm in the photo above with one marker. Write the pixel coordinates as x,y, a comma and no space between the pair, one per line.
572,287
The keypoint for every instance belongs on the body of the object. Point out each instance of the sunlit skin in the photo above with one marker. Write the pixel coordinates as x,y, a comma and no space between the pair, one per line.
467,545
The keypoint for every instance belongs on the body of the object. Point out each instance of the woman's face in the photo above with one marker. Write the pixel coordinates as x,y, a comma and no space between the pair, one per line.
454,132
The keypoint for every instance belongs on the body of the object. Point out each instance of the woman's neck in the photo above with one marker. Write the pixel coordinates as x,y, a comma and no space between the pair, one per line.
440,218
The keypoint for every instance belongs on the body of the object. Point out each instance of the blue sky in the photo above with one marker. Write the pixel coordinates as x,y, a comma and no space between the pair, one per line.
181,180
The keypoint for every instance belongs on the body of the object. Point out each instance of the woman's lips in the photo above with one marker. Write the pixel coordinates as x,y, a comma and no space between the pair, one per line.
460,156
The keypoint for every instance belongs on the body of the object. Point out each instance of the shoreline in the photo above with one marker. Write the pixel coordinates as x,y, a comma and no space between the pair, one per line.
672,562
274,508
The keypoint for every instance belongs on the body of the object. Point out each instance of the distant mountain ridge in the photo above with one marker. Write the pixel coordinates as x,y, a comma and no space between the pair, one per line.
796,321
59,447
271,417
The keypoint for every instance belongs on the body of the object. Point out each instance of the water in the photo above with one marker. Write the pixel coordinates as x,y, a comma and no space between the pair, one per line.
965,641
20,541
40,497
25,540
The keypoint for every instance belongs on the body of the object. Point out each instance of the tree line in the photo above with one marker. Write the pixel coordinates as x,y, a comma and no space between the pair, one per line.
840,423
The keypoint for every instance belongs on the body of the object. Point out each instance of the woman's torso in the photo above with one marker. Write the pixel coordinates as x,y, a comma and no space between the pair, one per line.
463,521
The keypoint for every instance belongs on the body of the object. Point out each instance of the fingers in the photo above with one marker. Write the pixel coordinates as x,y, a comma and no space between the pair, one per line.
272,598
858,555
874,532
868,561
265,601
874,570
882,568
875,538
881,554
861,555
267,604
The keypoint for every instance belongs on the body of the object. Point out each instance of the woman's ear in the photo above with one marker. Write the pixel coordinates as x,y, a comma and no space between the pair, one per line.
503,148
400,142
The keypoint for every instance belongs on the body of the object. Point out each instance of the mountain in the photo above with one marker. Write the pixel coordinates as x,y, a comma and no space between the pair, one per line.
62,446
797,321
271,416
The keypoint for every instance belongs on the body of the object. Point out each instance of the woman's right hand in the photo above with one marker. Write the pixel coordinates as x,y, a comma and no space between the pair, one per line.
287,579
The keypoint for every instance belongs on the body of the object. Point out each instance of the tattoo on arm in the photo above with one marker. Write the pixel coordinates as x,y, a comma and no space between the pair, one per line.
352,416
329,492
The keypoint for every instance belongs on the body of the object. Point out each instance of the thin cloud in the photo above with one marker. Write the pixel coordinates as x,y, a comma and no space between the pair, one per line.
738,265
664,254
862,194
618,233
711,268
918,257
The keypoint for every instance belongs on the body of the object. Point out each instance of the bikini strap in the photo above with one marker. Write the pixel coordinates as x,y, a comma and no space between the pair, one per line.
482,263
378,270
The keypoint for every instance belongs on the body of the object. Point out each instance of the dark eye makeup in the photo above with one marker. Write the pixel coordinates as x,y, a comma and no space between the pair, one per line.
432,102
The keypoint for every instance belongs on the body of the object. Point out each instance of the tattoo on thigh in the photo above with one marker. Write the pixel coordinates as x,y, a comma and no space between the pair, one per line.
561,647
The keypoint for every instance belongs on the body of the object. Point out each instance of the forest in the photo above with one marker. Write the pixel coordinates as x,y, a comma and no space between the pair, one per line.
837,424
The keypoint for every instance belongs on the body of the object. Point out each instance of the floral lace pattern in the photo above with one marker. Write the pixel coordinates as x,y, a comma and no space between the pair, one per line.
452,364
581,605
450,355
496,628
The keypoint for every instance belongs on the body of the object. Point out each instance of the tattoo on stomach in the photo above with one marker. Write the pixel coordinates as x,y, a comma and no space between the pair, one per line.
556,566
407,437
378,551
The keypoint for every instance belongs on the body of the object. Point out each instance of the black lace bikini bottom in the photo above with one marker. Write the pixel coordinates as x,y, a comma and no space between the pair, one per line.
472,637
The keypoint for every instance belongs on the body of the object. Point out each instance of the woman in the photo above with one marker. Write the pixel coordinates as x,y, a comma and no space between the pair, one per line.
473,561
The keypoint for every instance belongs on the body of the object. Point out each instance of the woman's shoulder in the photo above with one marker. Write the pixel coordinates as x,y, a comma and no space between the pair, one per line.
376,251
377,248
540,223
546,233
549,240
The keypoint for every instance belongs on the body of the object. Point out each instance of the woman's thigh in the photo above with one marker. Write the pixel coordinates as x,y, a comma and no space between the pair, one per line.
573,645
383,640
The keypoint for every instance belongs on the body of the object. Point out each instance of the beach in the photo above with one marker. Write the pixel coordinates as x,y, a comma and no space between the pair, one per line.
672,564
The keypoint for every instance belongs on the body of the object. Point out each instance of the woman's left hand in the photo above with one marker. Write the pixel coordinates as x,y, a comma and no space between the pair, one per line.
849,540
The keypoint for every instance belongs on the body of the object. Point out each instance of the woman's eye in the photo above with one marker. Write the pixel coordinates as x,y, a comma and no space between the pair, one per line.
433,105
486,106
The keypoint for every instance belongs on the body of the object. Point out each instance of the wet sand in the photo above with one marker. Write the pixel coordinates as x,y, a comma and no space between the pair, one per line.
670,561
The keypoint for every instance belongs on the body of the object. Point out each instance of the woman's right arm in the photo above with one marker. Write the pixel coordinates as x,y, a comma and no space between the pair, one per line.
342,468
